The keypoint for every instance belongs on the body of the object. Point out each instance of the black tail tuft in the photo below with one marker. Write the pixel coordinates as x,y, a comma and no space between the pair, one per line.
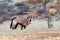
12,22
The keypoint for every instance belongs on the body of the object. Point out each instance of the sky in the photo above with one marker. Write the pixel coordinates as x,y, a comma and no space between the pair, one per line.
15,1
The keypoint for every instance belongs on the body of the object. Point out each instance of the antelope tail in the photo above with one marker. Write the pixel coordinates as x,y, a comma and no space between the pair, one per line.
12,22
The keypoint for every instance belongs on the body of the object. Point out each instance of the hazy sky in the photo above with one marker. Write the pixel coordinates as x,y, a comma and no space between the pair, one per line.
17,1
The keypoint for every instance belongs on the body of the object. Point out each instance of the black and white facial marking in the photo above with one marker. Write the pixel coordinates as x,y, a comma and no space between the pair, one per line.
29,19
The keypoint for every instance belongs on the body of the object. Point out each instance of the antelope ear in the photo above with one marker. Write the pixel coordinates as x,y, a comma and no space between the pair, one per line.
26,17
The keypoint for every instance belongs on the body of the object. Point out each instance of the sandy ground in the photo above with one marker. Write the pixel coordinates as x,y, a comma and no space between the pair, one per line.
37,30
41,36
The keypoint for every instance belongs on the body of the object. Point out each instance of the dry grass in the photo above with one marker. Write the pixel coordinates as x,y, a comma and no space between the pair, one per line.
41,36
8,34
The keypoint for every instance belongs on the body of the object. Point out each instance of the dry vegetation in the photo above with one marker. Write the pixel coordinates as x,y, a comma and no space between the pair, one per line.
41,36
32,1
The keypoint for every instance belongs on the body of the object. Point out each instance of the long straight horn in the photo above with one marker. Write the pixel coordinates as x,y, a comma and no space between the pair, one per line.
12,22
